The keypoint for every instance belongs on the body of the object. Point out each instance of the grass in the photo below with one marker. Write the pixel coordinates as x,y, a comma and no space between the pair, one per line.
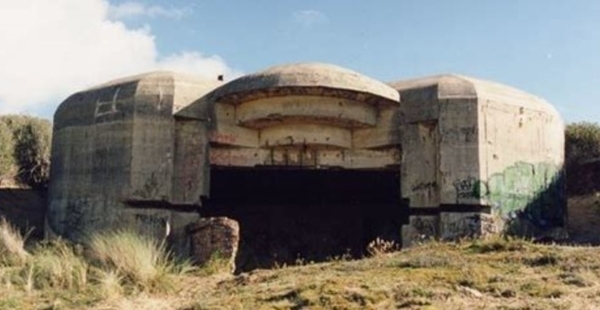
497,273
57,274
12,245
125,271
55,265
139,261
215,265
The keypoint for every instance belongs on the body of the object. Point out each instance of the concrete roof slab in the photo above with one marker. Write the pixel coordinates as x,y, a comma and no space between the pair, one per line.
305,79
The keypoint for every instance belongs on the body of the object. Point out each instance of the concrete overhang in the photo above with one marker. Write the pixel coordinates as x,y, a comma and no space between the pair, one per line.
454,86
306,79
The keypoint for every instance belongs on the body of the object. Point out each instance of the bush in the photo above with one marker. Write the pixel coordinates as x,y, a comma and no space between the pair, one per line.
29,148
582,143
7,159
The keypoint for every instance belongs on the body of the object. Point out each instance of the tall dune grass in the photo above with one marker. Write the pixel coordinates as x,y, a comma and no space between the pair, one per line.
116,264
12,245
56,265
140,260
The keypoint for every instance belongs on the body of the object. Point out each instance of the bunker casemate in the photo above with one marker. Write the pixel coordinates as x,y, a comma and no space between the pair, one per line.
312,160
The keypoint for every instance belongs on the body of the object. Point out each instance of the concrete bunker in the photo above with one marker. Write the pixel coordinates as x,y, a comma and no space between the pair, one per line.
486,159
293,160
313,160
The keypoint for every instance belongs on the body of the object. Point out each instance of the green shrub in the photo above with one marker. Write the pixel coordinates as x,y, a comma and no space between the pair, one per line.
7,159
582,143
30,148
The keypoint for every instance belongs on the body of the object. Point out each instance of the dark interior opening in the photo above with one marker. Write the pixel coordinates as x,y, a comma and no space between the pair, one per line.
287,215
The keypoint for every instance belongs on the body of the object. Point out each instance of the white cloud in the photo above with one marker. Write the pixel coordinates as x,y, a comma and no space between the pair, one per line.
309,18
195,62
133,9
49,49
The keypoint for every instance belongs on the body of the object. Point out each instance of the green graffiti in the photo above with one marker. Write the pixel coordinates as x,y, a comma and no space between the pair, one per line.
522,185
534,191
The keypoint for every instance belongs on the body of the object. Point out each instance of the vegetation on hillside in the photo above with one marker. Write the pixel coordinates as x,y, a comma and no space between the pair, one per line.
124,271
49,274
25,149
494,273
7,159
582,143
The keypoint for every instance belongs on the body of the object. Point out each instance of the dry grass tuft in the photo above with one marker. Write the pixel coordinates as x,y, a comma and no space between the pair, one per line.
110,283
12,245
56,265
141,261
380,247
215,265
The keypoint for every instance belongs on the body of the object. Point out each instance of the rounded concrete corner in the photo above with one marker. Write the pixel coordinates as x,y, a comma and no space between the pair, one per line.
493,91
169,89
448,86
454,86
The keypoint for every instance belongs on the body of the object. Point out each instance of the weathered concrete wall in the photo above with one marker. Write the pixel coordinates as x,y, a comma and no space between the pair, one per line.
522,160
91,153
113,157
191,158
479,158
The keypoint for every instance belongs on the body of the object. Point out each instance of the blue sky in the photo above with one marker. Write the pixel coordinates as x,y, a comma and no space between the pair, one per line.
549,48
